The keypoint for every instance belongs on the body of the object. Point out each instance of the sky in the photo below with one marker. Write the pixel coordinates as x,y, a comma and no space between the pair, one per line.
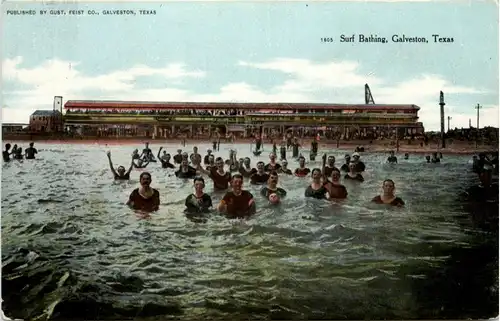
254,52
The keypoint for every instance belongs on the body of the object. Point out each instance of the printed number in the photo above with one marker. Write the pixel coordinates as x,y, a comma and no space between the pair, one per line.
326,39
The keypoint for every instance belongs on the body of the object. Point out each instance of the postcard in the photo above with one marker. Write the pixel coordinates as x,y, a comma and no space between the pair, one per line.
250,160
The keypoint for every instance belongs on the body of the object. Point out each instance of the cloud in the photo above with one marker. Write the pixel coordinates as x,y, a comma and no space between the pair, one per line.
306,81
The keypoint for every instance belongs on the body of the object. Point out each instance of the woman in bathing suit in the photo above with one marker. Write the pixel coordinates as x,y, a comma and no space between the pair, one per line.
388,196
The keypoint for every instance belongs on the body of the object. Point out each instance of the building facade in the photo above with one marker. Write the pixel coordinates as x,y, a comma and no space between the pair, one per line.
156,119
47,121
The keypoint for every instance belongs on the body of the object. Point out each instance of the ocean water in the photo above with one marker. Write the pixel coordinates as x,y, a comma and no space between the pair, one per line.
71,249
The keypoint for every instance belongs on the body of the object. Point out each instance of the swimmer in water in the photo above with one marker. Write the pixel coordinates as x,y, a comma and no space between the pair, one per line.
165,159
6,154
283,150
147,153
392,159
207,157
295,148
316,189
284,168
31,151
211,162
334,187
345,166
237,203
272,187
428,158
407,156
360,166
119,173
144,198
245,169
178,157
135,154
198,201
273,165
330,166
353,173
388,197
260,176
302,170
195,157
140,163
435,158
217,174
186,171
165,155
19,153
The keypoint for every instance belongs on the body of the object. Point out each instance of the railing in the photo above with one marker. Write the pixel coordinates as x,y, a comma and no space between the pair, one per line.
325,119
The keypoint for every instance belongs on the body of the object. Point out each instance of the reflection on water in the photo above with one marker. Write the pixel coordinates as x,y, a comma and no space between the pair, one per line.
71,249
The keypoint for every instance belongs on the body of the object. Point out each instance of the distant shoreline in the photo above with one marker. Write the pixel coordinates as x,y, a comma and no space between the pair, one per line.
377,146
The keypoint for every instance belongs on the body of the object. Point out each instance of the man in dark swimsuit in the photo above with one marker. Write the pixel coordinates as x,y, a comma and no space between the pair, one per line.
178,157
207,156
147,154
392,159
330,166
345,166
272,186
165,161
245,169
120,173
284,168
273,165
283,150
217,174
145,198
30,151
295,148
237,203
186,171
260,177
6,154
302,170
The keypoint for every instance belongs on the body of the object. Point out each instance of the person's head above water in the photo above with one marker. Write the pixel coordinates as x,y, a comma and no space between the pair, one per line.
316,174
237,182
199,183
335,175
302,161
32,144
355,156
145,179
147,144
7,146
120,170
260,167
272,157
352,167
331,160
273,179
388,187
179,151
219,162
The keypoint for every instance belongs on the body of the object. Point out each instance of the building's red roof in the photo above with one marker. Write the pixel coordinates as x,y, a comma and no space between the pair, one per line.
103,104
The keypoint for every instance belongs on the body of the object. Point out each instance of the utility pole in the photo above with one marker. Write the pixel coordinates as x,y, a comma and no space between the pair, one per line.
449,118
441,104
477,123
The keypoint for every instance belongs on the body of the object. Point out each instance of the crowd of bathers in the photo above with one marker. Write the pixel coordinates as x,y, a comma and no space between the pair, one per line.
230,174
